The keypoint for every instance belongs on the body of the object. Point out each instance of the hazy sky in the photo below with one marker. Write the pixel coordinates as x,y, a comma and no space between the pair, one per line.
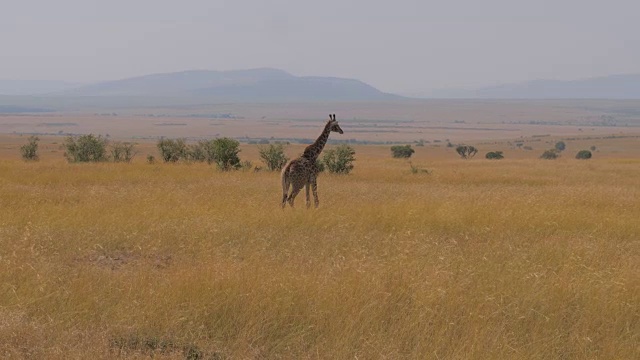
397,46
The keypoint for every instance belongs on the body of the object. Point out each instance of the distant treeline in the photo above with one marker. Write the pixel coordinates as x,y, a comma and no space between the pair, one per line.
17,109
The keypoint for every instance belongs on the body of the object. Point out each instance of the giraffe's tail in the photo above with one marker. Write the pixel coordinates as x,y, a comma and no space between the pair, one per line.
286,181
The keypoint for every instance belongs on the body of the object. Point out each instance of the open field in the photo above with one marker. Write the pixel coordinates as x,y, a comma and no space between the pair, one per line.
513,259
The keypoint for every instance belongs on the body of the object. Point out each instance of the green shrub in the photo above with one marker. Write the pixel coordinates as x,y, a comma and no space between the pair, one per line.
583,155
173,150
494,155
151,159
560,146
29,151
85,148
339,160
122,151
402,151
224,152
273,156
550,154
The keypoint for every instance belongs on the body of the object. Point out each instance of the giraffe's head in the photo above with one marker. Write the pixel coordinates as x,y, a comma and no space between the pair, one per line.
333,124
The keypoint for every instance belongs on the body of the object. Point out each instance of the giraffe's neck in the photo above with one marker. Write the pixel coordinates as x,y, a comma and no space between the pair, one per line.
312,151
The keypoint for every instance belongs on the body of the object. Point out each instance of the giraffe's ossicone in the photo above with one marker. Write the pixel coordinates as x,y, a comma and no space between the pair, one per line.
303,171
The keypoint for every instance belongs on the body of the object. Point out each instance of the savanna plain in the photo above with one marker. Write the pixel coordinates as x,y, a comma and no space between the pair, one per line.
520,258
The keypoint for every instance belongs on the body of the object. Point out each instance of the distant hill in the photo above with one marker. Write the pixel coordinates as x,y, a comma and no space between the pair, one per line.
255,85
606,87
33,87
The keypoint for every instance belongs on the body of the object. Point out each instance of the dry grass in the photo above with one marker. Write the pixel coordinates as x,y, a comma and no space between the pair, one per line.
510,259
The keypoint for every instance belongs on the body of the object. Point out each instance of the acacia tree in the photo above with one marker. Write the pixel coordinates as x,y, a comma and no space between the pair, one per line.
466,151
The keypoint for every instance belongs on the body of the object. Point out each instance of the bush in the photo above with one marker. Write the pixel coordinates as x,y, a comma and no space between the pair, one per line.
29,151
550,154
273,156
466,151
122,152
402,151
151,159
560,146
247,165
85,148
224,152
173,150
198,152
583,155
339,160
494,155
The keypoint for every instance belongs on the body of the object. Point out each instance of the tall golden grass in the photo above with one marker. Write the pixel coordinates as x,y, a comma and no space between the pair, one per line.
510,259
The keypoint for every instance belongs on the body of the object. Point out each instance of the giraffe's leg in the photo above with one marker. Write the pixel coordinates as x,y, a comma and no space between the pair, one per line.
314,187
306,189
294,192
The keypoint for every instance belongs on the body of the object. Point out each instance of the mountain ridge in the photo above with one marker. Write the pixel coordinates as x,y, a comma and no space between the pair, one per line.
260,84
618,86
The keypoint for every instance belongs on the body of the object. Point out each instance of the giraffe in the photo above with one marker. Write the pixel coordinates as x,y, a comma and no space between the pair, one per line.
302,171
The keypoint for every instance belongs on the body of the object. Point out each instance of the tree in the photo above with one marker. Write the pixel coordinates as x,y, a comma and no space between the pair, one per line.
466,151
339,160
550,154
29,151
273,156
122,152
224,152
173,150
86,148
197,152
494,155
560,146
402,151
583,155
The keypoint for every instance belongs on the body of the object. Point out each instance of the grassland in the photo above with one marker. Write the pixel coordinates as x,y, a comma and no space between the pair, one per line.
513,259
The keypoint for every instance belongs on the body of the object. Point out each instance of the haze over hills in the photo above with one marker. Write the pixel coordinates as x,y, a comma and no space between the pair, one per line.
33,87
273,85
605,87
255,85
